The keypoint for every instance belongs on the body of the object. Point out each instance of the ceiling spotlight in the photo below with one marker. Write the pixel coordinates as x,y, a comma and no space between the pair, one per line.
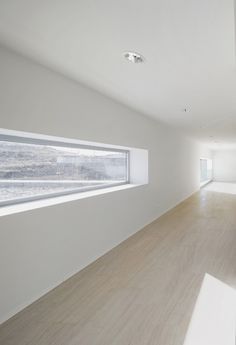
133,57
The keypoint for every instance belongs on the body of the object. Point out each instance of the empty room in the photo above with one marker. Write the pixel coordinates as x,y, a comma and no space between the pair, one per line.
117,172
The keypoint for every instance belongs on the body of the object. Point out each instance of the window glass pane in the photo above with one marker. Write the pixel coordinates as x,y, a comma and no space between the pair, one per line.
30,170
209,169
205,170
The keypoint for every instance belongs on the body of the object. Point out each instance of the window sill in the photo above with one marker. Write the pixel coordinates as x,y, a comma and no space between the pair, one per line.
202,184
31,205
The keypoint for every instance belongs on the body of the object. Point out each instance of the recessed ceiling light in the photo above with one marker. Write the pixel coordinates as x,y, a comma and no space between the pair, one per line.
134,57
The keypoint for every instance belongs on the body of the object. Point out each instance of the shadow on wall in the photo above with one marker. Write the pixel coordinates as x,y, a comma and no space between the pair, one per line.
214,316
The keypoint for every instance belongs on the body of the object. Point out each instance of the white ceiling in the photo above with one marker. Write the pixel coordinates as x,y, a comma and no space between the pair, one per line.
189,46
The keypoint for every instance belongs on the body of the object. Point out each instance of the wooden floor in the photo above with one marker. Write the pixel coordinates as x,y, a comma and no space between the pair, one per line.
142,292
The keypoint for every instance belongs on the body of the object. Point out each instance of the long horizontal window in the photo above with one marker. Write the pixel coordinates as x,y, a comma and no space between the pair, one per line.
36,169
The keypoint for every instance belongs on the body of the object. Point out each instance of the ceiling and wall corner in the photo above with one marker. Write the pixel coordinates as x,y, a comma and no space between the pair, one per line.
188,79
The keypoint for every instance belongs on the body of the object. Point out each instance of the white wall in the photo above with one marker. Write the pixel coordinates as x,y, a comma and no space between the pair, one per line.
224,165
42,247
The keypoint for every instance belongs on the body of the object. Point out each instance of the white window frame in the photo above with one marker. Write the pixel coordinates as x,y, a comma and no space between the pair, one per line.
29,138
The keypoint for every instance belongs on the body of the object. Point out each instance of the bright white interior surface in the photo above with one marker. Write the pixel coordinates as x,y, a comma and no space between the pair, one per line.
221,187
60,61
44,246
189,50
224,165
214,317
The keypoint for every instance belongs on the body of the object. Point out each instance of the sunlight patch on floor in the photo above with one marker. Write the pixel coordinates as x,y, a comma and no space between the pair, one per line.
214,318
221,187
